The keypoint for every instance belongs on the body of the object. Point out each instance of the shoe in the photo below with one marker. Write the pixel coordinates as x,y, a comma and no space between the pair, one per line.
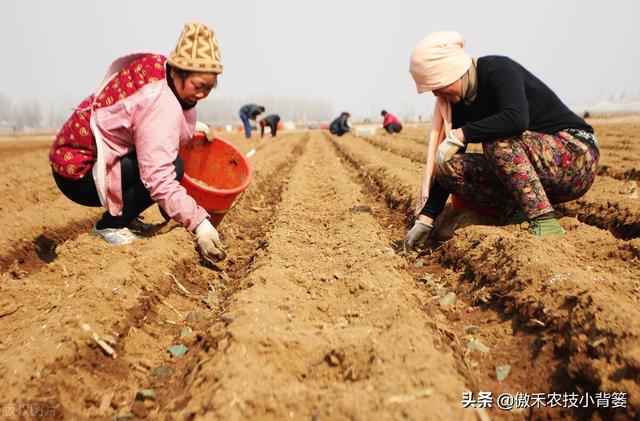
516,217
139,226
115,236
545,228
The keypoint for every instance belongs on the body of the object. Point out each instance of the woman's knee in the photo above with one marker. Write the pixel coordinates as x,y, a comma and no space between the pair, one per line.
494,149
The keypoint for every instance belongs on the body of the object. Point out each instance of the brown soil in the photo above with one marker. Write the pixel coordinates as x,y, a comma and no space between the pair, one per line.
317,314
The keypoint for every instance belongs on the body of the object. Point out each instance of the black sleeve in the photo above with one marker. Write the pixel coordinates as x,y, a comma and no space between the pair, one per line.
435,203
507,84
343,125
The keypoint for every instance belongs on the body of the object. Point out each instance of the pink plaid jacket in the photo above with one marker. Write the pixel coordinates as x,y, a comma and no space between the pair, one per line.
150,121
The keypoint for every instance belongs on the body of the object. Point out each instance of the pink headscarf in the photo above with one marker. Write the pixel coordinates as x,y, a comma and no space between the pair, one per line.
437,61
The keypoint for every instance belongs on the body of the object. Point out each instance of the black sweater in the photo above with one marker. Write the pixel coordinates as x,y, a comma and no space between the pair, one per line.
509,101
272,120
339,125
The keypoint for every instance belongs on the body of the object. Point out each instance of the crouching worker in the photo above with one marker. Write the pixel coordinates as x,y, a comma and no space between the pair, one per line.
340,125
391,123
536,152
119,149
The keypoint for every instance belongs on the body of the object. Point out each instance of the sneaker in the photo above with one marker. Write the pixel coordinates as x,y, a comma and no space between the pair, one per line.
115,236
139,226
545,228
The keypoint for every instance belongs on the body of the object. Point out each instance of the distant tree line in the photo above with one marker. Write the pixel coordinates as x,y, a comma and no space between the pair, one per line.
221,111
30,114
27,115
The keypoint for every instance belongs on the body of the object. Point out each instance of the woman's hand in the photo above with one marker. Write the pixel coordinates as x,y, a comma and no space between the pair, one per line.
447,149
425,218
418,235
459,134
204,128
209,241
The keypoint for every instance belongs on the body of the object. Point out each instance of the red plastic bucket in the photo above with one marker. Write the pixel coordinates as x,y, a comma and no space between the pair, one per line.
458,203
215,173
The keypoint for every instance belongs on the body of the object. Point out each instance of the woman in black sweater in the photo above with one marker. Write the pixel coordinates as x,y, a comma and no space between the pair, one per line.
340,125
536,152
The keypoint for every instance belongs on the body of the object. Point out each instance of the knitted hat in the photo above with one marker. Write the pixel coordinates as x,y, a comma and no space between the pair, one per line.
438,61
197,49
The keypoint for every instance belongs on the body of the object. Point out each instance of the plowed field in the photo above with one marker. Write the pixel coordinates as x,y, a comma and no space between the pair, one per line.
318,313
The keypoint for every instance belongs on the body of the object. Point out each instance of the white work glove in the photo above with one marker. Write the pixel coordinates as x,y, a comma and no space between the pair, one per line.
418,235
209,241
204,128
446,150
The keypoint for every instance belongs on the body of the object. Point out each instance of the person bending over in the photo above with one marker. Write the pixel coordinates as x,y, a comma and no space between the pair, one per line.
270,121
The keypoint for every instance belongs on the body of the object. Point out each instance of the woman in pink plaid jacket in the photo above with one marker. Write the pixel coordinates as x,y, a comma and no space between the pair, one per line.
119,149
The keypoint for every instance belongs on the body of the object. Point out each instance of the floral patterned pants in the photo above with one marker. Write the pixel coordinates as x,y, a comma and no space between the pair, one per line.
531,172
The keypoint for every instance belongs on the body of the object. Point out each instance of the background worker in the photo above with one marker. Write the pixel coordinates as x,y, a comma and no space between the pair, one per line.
340,125
272,121
249,112
391,123
119,148
536,152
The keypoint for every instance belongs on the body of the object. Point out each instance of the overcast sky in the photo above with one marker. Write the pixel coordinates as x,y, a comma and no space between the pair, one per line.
352,53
